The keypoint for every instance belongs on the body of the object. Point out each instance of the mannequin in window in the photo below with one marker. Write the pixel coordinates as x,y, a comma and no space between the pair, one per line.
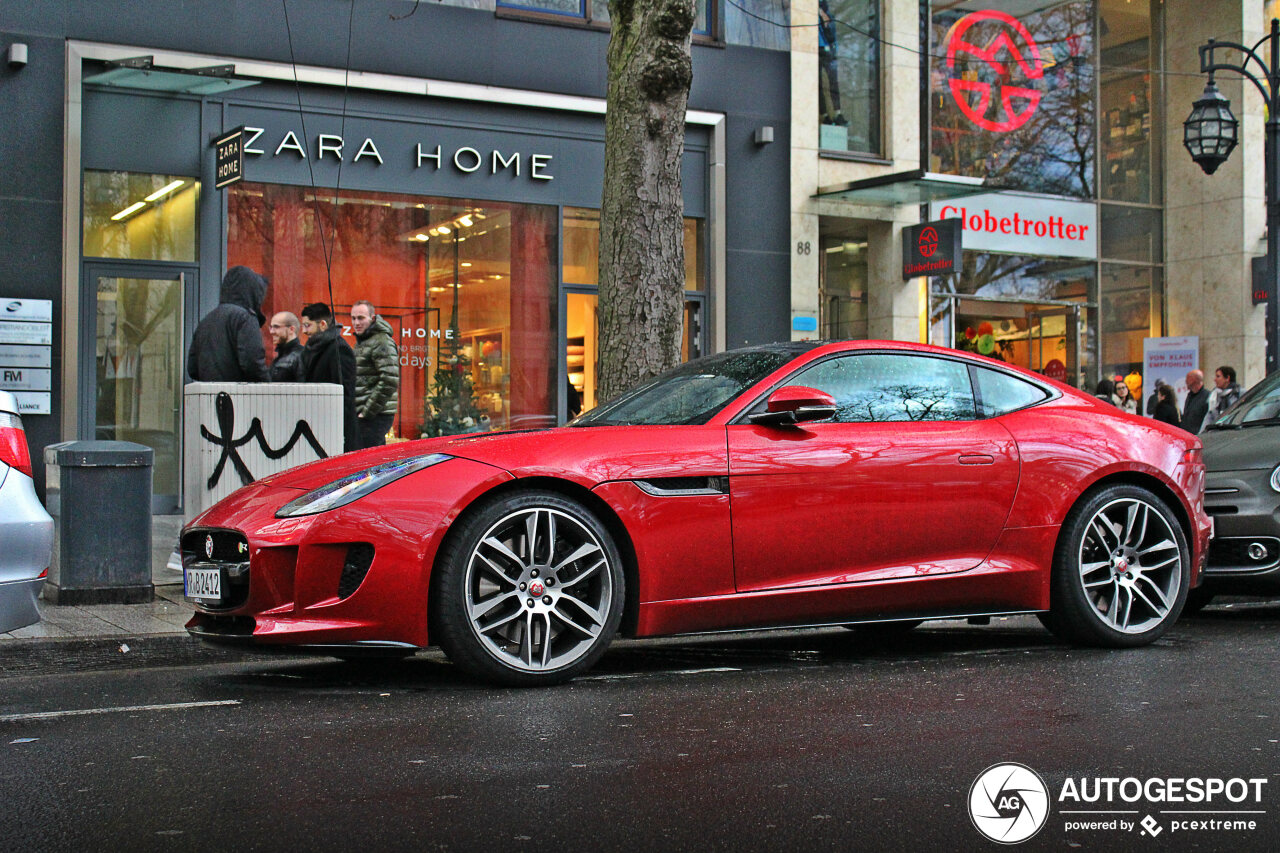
828,68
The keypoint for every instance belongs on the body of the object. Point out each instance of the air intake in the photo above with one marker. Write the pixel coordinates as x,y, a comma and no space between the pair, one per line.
359,558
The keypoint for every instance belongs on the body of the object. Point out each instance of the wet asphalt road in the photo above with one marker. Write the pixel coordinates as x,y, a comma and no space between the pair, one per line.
801,740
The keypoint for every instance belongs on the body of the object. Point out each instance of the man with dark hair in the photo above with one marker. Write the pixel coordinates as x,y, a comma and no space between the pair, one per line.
287,366
377,374
328,358
227,344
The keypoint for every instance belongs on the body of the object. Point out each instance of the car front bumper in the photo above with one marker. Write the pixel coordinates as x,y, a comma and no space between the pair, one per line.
1244,556
26,549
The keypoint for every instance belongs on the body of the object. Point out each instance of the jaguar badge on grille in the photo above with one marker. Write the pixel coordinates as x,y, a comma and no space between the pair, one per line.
208,547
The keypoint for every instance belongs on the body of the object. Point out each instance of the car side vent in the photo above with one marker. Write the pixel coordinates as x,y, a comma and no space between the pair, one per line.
359,558
1221,510
669,487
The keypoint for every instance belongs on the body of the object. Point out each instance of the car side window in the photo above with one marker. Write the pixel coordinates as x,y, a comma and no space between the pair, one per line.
885,387
999,393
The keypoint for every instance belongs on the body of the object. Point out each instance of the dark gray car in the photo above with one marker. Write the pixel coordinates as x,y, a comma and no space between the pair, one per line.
1242,493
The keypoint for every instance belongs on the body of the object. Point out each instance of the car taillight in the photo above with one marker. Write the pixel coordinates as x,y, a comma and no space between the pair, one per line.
13,443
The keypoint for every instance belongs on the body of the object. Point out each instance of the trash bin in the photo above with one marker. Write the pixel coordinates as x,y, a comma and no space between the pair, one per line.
99,494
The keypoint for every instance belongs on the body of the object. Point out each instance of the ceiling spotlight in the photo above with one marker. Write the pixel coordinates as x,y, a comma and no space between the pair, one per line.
420,237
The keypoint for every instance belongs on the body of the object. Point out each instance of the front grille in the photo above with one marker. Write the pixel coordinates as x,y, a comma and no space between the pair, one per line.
359,558
225,550
1231,554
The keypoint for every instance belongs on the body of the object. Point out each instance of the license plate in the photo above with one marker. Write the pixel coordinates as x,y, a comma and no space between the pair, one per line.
203,584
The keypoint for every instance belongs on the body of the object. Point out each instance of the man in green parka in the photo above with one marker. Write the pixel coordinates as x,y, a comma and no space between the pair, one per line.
377,374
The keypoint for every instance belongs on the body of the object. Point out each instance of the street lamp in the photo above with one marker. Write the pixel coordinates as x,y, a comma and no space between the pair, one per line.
1211,131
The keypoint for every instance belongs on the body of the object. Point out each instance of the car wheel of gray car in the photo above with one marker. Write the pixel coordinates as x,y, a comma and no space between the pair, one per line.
1120,571
529,590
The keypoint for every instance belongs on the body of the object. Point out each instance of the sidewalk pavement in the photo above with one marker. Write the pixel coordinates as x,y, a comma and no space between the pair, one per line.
165,616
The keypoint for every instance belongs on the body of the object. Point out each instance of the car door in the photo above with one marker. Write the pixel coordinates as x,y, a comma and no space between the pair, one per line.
905,481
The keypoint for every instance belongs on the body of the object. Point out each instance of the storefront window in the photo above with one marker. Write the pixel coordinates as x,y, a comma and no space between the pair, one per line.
140,217
582,249
849,75
1012,94
469,289
844,289
1130,163
1131,310
1131,234
581,268
597,11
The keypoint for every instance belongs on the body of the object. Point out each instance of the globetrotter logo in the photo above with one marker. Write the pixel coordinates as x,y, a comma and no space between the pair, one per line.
974,97
928,242
1009,803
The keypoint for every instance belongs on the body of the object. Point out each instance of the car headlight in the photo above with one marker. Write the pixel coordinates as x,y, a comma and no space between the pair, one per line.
1275,479
355,486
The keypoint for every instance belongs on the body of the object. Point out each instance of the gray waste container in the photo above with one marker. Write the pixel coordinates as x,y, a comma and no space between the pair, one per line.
99,494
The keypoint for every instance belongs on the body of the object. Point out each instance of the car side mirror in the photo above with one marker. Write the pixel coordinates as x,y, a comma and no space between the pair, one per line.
795,404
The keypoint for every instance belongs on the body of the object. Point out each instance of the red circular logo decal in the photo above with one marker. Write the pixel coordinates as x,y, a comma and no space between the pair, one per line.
928,242
536,588
1011,49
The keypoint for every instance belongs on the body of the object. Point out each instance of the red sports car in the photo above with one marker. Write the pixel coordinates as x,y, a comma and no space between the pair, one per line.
784,485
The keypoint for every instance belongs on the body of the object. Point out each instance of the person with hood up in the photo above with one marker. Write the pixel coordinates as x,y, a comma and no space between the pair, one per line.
227,345
328,358
377,374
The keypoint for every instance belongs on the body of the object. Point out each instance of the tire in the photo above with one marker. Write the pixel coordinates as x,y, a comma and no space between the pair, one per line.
1120,571
1198,599
529,590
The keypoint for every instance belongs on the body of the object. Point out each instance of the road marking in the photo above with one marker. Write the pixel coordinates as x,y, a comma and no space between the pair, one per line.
176,706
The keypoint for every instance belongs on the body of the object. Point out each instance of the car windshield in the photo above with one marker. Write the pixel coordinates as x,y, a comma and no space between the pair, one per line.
1259,405
694,392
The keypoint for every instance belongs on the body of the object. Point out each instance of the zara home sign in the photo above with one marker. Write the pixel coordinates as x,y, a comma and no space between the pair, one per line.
1024,225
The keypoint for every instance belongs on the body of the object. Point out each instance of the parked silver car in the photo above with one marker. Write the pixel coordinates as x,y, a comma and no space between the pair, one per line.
26,530
1242,493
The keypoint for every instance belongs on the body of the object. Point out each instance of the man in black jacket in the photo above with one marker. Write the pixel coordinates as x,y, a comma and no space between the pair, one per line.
227,345
287,366
1196,406
329,358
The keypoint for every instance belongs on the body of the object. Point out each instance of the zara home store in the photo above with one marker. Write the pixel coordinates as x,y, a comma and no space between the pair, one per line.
464,207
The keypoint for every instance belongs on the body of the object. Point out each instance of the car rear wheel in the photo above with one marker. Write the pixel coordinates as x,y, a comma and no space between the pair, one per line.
1121,570
529,590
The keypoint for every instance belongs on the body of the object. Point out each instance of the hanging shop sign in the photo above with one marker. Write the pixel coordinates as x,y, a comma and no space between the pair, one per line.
26,353
229,158
1261,287
1011,223
931,248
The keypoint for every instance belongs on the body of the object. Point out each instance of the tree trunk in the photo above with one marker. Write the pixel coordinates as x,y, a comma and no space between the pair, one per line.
642,212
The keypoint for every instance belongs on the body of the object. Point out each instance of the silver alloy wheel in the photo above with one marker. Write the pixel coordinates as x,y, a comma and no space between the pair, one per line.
539,589
1130,565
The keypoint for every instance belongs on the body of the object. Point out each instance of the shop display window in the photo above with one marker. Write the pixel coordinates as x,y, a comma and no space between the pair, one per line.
581,264
1130,139
468,287
140,217
1012,94
849,75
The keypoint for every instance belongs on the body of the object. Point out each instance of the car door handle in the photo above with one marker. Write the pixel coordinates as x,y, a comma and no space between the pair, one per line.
977,459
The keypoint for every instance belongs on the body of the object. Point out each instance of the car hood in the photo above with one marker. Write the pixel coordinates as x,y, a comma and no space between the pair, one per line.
1244,449
587,455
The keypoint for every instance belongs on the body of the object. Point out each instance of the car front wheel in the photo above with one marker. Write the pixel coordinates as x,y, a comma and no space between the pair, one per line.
530,590
1121,570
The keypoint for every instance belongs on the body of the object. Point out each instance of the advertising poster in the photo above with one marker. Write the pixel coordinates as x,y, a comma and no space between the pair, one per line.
1169,359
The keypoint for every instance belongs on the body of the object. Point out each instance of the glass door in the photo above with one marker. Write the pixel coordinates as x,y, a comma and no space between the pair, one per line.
133,346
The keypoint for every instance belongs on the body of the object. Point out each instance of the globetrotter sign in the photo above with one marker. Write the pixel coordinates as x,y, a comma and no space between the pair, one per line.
1010,50
931,248
1024,225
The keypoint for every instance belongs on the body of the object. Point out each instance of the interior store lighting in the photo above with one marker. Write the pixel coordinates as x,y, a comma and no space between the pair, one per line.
129,211
164,191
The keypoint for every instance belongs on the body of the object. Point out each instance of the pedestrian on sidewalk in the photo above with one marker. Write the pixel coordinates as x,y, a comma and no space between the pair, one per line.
377,374
227,345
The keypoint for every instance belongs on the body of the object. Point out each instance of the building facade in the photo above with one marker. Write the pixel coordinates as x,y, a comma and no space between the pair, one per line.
441,160
1053,129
